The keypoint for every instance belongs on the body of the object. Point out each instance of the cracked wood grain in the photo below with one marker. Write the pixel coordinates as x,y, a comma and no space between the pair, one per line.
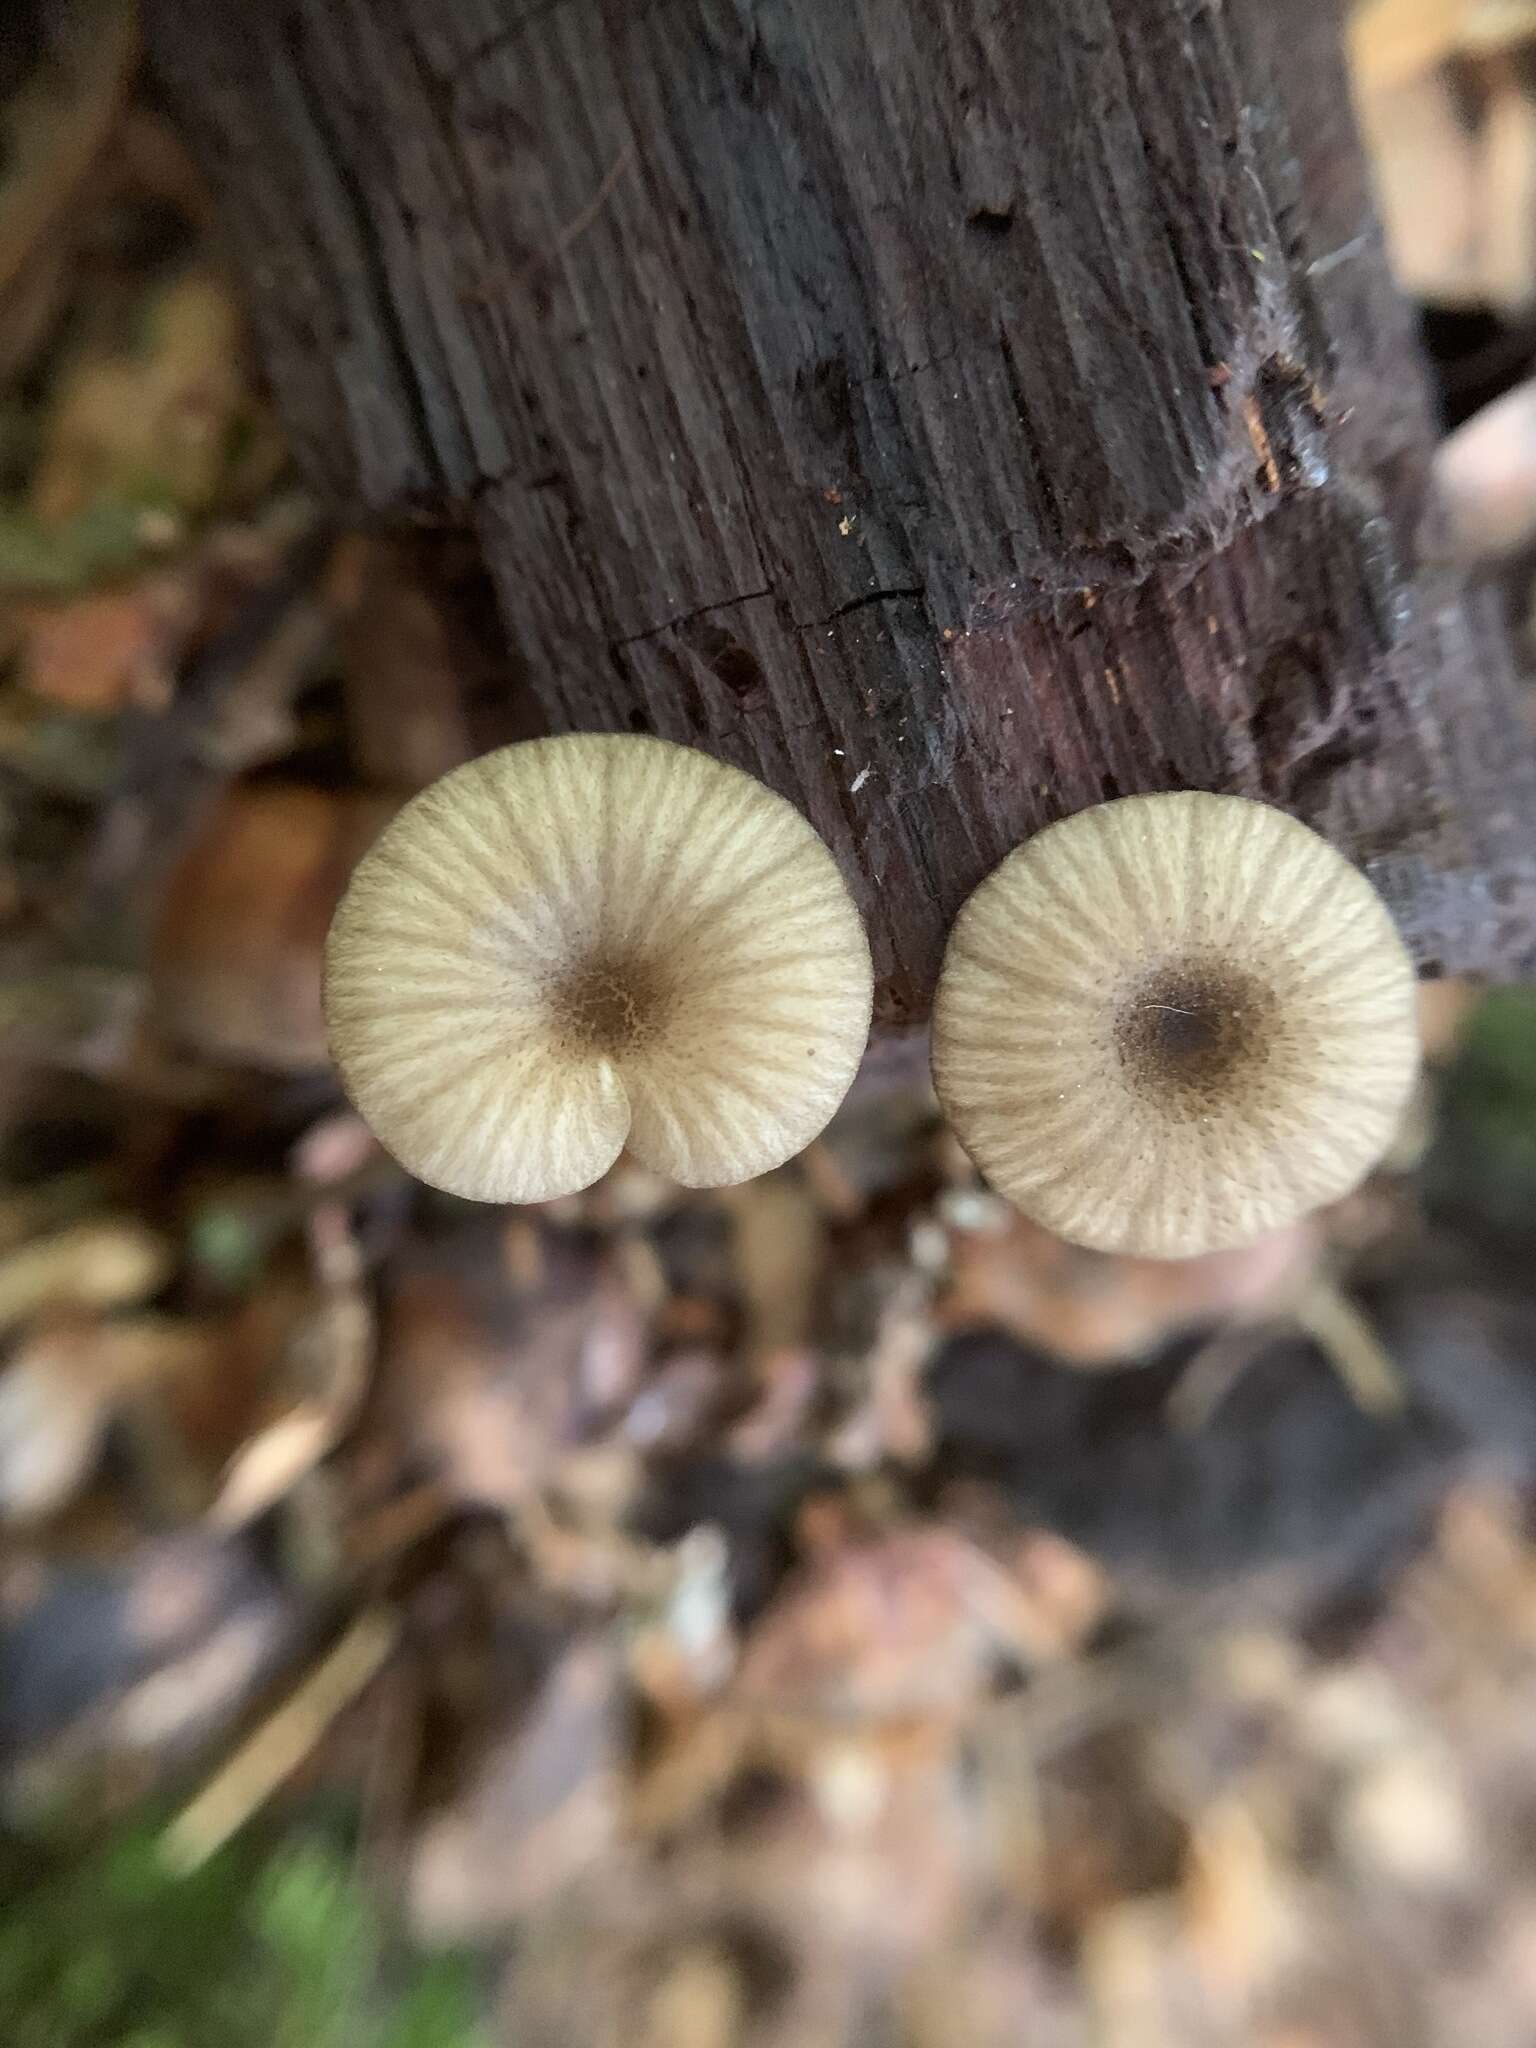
954,411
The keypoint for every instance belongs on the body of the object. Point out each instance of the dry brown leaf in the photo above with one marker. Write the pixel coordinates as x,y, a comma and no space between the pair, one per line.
701,2003
63,1386
110,1262
911,1623
1090,1308
265,1470
1130,1966
993,1989
237,958
106,650
215,1413
1497,25
1392,42
33,1211
1427,172
1507,193
329,1355
1066,1592
1482,1578
1237,1908
1453,149
497,1384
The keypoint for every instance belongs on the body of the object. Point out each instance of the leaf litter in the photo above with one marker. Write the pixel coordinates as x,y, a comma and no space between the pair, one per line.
828,1611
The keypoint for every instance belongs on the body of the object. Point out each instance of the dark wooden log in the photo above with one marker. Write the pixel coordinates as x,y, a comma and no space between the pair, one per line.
954,411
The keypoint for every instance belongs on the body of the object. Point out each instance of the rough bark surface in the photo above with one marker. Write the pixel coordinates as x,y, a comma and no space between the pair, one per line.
954,411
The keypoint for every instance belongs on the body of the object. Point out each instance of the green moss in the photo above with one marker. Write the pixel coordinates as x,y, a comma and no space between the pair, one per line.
104,540
1482,1167
279,1947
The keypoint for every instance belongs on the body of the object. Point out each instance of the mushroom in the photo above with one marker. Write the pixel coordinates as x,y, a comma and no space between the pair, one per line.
1172,1023
576,944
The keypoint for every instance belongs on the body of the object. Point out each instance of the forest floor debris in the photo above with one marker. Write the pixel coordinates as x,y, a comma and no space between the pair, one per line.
828,1611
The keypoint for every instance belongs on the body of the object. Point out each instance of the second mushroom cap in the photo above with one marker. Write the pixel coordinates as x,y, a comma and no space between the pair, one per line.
1171,1023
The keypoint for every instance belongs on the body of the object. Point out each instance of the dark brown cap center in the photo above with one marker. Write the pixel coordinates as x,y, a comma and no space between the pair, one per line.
1191,1028
609,1005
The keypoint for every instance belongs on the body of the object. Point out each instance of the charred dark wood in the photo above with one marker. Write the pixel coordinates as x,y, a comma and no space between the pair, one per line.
954,411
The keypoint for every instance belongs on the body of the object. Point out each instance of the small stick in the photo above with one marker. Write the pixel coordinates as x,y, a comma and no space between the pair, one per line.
1326,1315
274,1752
1352,1348
1213,1372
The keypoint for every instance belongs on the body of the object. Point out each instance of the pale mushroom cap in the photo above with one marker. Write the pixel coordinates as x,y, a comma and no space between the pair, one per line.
582,943
1172,1023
